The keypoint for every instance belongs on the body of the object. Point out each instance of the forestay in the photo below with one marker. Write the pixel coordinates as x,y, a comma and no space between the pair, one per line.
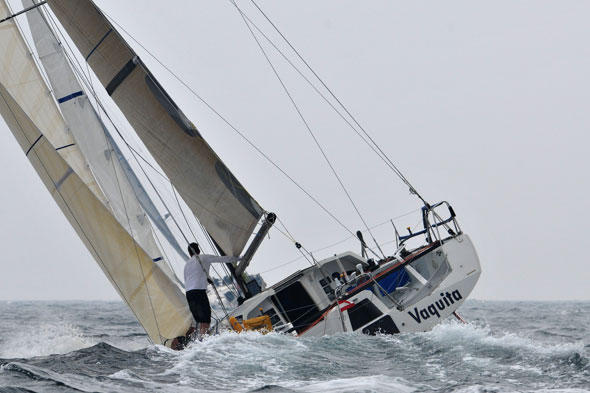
156,301
211,191
125,195
21,77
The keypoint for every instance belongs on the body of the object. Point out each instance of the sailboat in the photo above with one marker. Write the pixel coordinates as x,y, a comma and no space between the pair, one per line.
46,101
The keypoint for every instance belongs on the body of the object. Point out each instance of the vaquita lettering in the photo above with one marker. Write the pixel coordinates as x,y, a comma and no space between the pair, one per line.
417,316
433,309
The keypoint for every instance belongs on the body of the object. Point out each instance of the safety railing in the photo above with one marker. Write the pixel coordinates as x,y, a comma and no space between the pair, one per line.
432,222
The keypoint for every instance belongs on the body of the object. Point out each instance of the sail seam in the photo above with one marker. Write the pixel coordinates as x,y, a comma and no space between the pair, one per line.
99,42
33,145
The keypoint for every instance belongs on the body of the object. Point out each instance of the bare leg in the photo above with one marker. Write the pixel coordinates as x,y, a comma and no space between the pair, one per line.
203,328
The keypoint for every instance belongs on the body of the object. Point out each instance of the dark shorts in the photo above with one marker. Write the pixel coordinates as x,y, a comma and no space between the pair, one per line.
198,302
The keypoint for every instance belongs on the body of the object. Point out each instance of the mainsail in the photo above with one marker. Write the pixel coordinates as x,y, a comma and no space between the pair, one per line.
218,200
157,303
125,194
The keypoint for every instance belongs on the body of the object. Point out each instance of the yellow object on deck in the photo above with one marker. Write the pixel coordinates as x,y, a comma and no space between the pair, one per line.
261,324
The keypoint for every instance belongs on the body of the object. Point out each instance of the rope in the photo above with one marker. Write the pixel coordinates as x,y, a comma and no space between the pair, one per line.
306,123
340,241
94,250
223,266
383,155
130,227
86,80
234,128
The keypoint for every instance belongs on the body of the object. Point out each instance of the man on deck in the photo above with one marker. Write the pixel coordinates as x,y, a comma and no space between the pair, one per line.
196,274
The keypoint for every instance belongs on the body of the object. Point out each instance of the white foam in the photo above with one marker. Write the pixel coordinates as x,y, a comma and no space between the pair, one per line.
469,335
494,388
371,383
46,339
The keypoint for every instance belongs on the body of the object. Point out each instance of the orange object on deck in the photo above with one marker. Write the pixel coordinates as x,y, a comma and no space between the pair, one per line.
262,324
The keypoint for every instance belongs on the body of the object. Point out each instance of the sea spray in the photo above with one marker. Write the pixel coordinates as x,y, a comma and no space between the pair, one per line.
505,347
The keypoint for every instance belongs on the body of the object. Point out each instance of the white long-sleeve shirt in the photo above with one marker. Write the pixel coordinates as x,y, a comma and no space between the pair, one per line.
195,273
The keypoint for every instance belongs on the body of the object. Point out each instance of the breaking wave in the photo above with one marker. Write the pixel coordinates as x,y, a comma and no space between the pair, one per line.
45,339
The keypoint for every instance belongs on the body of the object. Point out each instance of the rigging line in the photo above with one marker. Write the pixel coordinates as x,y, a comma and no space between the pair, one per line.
372,227
182,212
136,246
307,126
131,232
213,285
14,15
286,230
227,122
385,156
288,236
312,85
167,259
196,239
86,80
29,48
93,92
342,241
223,265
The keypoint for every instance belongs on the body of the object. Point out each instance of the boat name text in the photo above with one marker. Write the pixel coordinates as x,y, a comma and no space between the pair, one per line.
433,309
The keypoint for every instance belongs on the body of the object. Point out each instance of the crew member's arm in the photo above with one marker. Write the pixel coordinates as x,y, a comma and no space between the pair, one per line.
224,259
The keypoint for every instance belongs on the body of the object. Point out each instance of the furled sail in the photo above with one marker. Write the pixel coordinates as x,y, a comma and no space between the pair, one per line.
125,194
157,303
215,196
21,77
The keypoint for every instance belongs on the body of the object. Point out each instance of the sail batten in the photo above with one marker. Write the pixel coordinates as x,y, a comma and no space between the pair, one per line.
214,195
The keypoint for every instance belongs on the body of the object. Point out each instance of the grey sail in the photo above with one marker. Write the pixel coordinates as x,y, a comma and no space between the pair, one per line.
215,196
127,197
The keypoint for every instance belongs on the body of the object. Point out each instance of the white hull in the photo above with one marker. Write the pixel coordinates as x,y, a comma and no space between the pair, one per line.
441,301
433,282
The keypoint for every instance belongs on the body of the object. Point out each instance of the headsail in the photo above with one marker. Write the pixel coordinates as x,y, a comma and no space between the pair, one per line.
215,196
21,77
126,196
157,303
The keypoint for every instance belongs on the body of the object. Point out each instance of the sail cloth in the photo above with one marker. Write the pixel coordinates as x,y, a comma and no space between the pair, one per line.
21,77
126,196
157,303
219,201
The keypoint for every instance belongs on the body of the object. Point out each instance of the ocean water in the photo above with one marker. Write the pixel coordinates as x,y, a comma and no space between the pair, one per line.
98,347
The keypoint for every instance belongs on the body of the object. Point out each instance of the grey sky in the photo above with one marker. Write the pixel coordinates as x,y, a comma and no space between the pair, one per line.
481,104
